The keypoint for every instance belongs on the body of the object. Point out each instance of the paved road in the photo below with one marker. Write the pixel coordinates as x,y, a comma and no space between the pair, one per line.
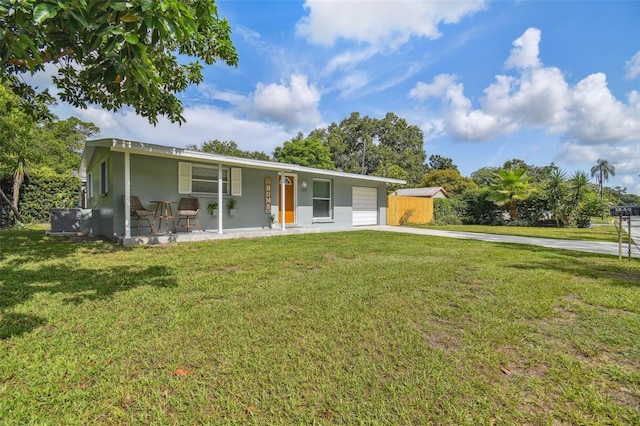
587,246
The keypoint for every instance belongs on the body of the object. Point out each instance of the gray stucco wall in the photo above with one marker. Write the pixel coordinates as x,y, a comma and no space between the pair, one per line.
156,178
100,221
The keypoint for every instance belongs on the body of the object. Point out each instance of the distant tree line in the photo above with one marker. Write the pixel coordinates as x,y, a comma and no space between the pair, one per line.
524,195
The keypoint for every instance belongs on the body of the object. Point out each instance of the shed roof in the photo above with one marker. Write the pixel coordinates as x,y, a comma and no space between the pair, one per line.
141,148
421,192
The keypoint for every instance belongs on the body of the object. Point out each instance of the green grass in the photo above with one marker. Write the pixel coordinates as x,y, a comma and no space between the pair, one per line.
597,233
344,328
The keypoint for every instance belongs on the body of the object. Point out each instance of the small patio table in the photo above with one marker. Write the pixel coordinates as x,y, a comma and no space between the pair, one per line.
164,211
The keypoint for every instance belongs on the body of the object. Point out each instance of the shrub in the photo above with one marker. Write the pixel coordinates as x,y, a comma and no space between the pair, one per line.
448,211
591,206
479,210
44,190
533,210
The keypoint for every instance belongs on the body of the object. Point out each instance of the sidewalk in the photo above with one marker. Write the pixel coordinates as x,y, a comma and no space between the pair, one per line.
586,246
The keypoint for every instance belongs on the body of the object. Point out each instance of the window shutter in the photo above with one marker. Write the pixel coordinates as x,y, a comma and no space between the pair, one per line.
236,181
184,178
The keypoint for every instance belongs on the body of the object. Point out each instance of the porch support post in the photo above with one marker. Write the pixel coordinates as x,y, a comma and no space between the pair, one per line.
282,201
220,207
127,195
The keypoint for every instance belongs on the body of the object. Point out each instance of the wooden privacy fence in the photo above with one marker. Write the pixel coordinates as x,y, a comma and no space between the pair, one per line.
403,210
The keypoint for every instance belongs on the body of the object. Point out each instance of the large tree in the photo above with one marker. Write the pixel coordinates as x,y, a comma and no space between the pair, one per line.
438,162
508,187
484,175
63,142
309,152
601,172
450,179
372,146
115,53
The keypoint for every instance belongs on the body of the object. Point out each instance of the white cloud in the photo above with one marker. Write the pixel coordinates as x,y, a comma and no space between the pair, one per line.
293,105
433,128
633,67
351,83
598,117
389,23
537,97
204,122
437,89
211,92
348,60
633,99
98,116
626,158
525,51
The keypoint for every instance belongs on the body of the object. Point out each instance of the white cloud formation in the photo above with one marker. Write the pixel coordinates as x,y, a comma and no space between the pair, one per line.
525,51
348,60
537,97
598,117
439,87
390,23
204,122
633,67
292,105
626,158
211,92
351,83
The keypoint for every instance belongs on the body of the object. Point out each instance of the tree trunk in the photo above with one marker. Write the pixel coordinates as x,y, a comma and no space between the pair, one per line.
18,179
15,210
513,212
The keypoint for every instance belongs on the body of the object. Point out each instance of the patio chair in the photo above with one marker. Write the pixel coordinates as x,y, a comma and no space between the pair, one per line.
140,213
188,209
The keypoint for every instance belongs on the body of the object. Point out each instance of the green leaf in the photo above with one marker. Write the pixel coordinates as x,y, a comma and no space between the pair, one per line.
120,6
44,11
129,18
77,14
147,4
131,38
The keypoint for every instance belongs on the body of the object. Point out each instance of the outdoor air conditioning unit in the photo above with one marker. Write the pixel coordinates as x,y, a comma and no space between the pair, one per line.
66,220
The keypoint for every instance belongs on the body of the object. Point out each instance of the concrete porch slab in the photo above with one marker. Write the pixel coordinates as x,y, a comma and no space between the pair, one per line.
208,235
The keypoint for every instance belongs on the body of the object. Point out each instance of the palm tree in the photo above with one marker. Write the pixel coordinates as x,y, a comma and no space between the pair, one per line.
578,186
556,189
602,170
507,187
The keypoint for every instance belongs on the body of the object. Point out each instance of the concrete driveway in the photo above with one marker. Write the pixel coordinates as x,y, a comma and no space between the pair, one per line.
586,246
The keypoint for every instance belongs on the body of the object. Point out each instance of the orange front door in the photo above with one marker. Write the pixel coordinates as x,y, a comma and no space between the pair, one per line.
289,201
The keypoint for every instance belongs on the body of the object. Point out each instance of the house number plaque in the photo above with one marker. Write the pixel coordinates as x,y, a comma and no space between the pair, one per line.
267,195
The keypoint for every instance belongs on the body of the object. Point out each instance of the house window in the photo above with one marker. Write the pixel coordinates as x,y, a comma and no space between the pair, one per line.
322,205
90,186
204,179
104,178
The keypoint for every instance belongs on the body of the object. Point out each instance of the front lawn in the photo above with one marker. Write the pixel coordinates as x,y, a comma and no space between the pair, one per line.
345,328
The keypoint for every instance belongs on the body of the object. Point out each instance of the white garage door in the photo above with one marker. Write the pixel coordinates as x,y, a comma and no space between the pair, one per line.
365,206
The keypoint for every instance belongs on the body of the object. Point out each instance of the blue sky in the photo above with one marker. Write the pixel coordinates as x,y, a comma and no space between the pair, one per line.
543,81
